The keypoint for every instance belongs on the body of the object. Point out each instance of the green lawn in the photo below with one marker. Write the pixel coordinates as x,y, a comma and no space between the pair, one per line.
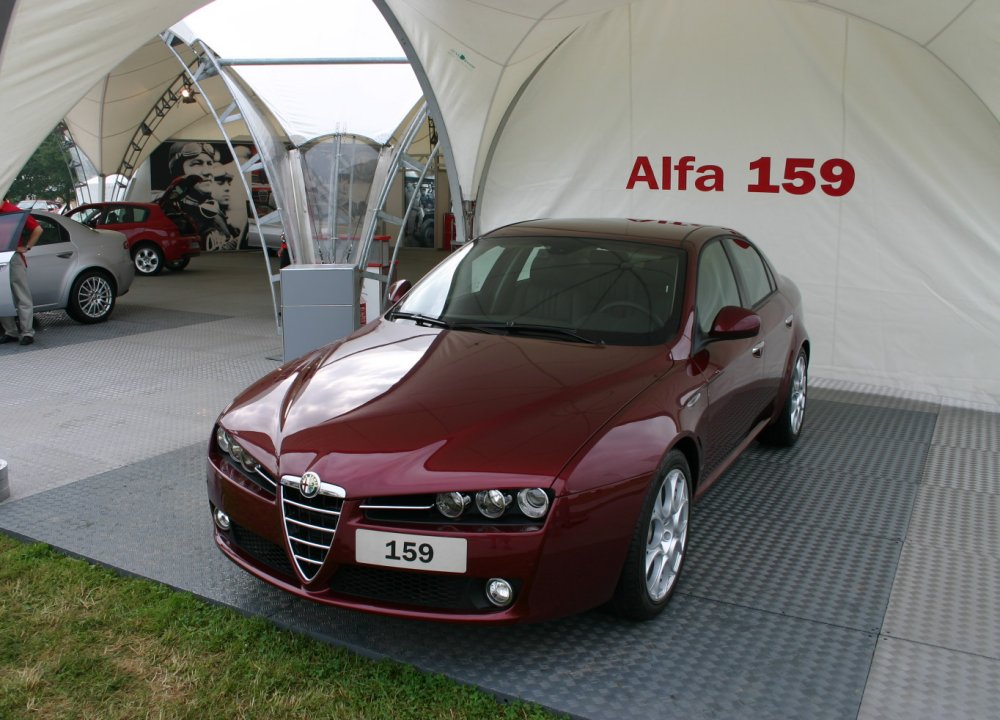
80,641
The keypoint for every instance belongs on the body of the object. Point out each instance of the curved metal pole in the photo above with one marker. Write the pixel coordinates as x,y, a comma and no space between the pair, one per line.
402,228
207,53
466,208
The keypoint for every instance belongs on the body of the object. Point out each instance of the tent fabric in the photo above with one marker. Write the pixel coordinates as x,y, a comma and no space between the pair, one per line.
312,100
561,107
55,51
898,274
104,122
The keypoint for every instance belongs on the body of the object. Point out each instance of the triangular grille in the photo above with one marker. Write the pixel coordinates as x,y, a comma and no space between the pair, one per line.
310,524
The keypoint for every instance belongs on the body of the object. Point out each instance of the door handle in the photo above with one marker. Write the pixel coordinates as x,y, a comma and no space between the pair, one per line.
757,350
789,320
65,255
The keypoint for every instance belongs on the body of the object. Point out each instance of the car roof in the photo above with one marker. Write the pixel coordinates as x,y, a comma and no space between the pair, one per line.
664,232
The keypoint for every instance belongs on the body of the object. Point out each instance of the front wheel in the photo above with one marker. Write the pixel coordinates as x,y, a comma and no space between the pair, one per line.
659,544
92,297
786,428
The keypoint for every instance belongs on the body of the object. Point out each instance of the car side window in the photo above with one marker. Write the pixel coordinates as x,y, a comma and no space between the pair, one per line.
118,215
750,266
52,232
139,214
86,216
716,285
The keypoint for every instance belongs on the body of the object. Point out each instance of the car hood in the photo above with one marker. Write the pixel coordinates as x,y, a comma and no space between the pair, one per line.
435,406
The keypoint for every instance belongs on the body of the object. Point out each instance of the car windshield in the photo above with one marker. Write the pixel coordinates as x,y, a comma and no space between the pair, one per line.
563,288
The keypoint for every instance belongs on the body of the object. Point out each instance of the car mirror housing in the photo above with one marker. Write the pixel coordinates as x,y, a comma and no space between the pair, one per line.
735,323
397,290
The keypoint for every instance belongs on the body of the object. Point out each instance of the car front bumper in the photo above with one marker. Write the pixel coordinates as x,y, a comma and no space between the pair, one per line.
571,564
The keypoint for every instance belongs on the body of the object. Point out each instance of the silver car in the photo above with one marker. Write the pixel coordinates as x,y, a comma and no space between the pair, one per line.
73,267
273,232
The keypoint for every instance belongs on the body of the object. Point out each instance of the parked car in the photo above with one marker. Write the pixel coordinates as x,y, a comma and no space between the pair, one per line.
521,436
270,232
156,239
72,267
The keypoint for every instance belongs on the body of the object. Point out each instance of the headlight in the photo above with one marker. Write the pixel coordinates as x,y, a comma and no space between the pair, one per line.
492,503
249,464
223,439
452,504
236,452
533,502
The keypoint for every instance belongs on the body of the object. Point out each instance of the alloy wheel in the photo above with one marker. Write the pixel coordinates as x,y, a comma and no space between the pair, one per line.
798,399
667,535
95,297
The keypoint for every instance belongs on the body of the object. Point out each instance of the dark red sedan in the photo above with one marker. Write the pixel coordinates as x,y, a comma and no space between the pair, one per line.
155,239
522,435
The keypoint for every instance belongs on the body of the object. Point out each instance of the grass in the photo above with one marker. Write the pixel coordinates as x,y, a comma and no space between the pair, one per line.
80,641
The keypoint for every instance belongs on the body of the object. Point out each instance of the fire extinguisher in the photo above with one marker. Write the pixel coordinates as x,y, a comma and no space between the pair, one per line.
364,307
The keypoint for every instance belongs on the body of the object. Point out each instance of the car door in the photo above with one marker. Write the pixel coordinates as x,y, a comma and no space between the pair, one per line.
758,291
51,264
731,369
125,219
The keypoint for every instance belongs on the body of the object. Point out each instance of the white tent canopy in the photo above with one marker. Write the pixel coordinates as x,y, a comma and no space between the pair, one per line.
857,142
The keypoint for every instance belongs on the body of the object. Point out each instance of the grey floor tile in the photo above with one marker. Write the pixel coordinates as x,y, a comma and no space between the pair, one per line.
946,599
957,521
911,681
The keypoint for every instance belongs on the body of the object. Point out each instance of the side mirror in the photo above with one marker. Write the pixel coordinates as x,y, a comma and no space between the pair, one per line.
735,323
397,290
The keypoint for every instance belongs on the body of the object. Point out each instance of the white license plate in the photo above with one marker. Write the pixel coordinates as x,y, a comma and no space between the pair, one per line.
417,552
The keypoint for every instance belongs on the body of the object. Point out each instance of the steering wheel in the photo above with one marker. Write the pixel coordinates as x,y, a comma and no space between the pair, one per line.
645,310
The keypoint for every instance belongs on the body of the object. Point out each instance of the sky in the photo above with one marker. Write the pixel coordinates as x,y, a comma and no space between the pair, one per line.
313,100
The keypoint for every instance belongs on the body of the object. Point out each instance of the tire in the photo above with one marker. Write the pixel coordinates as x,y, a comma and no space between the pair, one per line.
148,259
178,265
787,427
92,297
659,541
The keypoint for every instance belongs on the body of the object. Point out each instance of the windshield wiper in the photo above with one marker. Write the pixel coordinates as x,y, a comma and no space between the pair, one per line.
512,328
418,319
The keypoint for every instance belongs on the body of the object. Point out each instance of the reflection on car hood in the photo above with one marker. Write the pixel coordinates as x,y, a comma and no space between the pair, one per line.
437,402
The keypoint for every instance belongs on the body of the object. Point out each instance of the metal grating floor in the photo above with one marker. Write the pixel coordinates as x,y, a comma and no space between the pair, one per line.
855,575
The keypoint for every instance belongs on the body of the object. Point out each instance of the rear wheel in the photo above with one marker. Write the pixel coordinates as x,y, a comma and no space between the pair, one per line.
659,544
786,429
178,265
92,297
148,258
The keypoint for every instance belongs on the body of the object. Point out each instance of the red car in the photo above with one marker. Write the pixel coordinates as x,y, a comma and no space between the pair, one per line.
155,239
521,435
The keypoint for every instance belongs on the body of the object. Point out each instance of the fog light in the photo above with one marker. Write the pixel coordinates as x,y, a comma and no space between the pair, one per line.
222,520
533,502
499,592
452,504
222,437
492,503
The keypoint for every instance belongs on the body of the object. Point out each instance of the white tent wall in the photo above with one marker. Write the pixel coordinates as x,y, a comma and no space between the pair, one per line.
898,274
54,51
477,55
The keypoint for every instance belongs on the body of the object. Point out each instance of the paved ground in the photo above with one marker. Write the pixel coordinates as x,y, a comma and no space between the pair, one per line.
856,575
